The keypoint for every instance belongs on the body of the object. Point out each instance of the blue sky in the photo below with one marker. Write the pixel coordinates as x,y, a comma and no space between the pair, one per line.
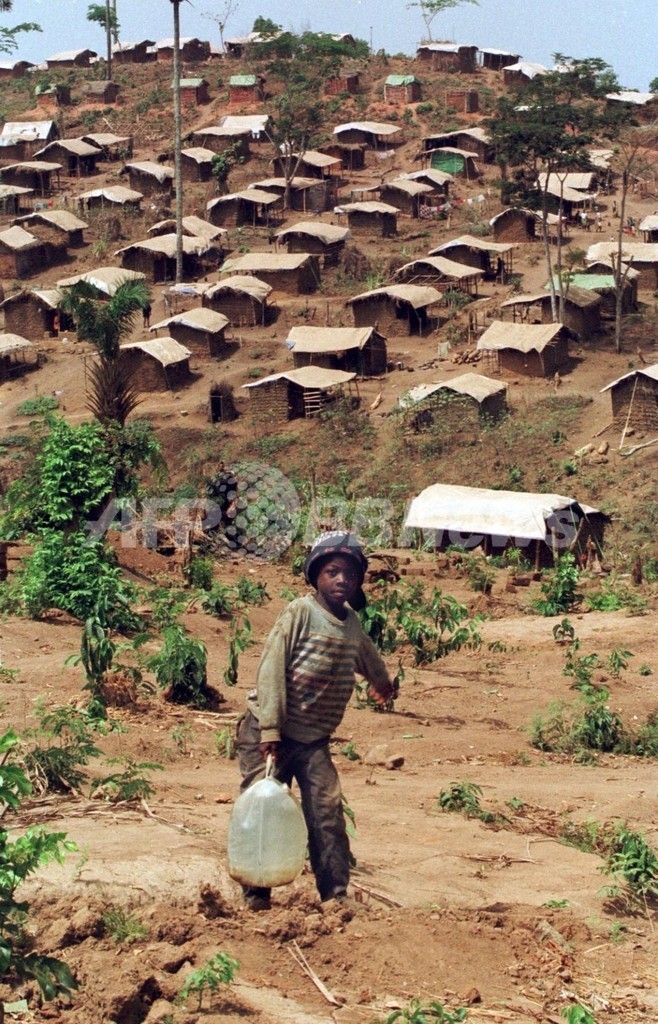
623,34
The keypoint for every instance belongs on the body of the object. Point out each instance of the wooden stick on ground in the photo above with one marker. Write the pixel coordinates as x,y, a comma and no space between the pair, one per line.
299,958
376,895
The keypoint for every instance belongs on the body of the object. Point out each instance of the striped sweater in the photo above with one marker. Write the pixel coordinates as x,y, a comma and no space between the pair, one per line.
306,672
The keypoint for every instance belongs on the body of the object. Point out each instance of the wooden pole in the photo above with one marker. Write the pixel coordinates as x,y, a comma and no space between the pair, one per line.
628,416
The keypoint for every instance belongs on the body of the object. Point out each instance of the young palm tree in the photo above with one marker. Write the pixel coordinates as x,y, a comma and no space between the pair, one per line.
112,395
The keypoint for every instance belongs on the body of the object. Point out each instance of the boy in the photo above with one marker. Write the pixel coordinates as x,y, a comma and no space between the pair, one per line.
305,680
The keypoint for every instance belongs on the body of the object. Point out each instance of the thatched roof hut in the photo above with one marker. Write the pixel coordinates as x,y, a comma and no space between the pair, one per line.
220,138
396,309
158,365
32,312
250,206
443,274
358,349
581,313
241,298
11,197
78,158
375,134
201,330
295,273
193,227
196,163
514,225
34,174
22,254
111,146
150,178
304,392
407,196
438,181
324,240
156,257
543,525
66,224
370,218
308,195
454,399
478,252
635,400
112,196
536,350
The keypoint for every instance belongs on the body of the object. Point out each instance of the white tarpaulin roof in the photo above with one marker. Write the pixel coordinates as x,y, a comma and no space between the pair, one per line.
254,123
193,226
520,337
416,295
474,243
527,68
113,194
639,252
61,219
474,385
255,261
645,371
369,206
372,127
200,319
308,377
249,195
105,279
166,244
649,223
476,510
326,233
30,130
581,181
406,185
43,166
167,351
159,171
13,343
17,238
102,139
328,339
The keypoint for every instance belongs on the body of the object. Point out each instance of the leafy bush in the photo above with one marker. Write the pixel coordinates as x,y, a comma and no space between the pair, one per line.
631,858
559,587
129,785
64,744
219,970
122,926
181,667
38,406
199,572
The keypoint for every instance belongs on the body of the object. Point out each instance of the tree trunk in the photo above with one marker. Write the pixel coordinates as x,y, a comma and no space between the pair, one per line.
617,269
178,170
108,39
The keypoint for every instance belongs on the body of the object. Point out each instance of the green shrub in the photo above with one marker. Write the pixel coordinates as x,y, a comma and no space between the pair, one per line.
38,406
199,572
559,587
122,926
181,668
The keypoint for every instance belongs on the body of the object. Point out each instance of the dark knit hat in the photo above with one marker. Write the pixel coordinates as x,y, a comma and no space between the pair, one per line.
337,542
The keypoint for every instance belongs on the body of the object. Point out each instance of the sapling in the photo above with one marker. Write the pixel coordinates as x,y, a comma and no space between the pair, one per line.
219,970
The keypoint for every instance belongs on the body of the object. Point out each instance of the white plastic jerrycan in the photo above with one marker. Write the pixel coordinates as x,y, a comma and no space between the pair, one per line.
267,834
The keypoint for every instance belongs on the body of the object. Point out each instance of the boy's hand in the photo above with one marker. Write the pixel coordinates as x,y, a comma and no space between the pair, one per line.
383,696
268,749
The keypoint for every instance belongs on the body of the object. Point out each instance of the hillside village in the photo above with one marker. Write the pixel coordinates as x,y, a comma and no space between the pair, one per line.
374,335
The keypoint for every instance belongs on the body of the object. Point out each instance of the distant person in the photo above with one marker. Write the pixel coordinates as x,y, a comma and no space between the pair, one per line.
146,313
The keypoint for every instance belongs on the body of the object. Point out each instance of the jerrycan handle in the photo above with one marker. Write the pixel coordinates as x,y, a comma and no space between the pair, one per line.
269,765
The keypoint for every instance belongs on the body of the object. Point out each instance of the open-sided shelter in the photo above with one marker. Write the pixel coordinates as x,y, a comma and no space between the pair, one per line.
250,206
150,178
156,257
242,298
451,57
495,60
201,330
581,312
543,526
358,349
635,400
470,395
304,392
295,273
370,218
397,309
15,353
514,225
161,364
13,198
324,240
40,175
536,350
478,252
443,274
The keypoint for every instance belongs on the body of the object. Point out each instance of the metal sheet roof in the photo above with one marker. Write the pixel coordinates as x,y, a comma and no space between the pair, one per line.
645,371
105,279
30,130
474,385
251,286
476,510
445,267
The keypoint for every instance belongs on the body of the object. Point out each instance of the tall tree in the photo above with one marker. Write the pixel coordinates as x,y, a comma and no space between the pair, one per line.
430,8
541,139
178,143
8,43
221,17
106,16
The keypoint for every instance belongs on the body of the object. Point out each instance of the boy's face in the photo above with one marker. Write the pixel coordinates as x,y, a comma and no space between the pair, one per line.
337,582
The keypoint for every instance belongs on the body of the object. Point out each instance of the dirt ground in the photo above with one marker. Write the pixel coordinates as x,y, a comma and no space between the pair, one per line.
502,918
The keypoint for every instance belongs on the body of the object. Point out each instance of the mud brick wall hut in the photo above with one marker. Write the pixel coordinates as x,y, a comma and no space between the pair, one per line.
581,312
156,257
327,241
397,309
522,72
14,198
194,92
374,134
462,402
253,206
296,393
370,218
19,140
449,57
471,140
543,526
296,274
438,181
402,89
66,227
246,89
644,257
140,52
22,254
196,164
464,101
405,195
70,59
533,350
344,81
115,197
351,155
514,225
314,164
14,68
33,313
150,178
200,330
111,146
308,195
158,365
358,349
191,49
101,92
219,139
476,252
634,400
78,158
241,298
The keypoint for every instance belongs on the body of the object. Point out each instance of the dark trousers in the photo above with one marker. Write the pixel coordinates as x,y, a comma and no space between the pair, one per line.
311,766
